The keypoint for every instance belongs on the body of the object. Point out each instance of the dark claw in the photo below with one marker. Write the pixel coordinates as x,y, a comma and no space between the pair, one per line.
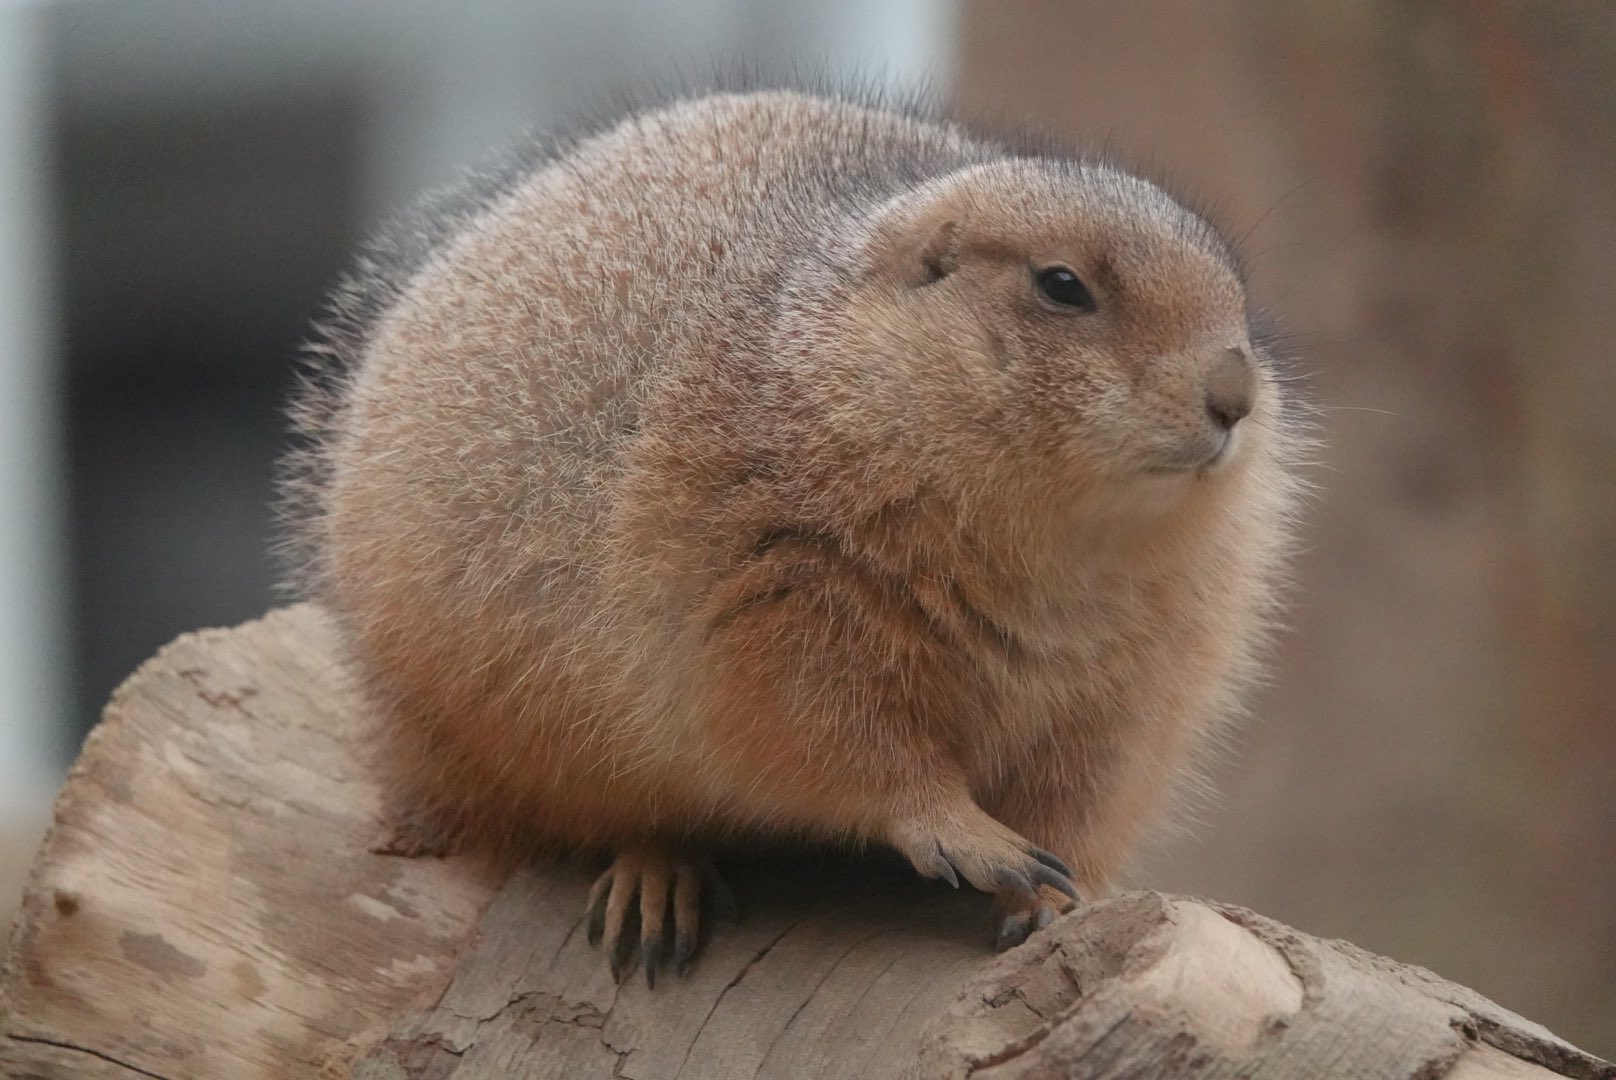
940,869
1044,917
597,922
1012,880
1044,875
1052,862
684,951
944,868
652,950
624,959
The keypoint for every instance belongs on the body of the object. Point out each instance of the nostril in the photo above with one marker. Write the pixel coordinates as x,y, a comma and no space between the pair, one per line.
1226,412
1230,388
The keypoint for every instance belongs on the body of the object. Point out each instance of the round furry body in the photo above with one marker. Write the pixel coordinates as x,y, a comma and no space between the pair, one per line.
771,464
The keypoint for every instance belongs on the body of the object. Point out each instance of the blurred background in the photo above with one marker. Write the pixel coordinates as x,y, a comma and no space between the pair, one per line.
1427,196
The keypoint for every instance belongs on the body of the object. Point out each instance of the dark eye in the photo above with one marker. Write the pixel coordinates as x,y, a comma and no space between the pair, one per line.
1064,288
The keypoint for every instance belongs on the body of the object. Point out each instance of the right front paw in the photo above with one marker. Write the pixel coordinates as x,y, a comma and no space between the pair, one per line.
982,851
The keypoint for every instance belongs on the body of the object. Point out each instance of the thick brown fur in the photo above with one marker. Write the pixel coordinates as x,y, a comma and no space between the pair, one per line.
727,474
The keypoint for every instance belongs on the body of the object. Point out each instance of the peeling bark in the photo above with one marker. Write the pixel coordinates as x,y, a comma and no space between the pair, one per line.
208,905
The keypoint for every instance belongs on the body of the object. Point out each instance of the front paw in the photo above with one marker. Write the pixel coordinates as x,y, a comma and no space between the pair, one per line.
991,857
653,883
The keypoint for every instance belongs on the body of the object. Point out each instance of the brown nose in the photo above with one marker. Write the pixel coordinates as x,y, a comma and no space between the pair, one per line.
1230,386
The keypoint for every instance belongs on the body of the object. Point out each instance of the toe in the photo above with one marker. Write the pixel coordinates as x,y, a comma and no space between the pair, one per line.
1010,879
1012,930
1053,862
1016,927
618,941
686,916
1061,880
655,892
595,906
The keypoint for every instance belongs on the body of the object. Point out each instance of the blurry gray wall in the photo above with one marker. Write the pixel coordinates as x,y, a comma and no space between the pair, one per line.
215,165
181,182
33,651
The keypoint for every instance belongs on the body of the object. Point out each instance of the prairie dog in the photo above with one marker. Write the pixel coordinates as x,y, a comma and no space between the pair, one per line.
778,465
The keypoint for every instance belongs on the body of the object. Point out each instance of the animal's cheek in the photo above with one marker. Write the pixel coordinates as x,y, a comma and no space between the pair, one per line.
1158,407
1119,431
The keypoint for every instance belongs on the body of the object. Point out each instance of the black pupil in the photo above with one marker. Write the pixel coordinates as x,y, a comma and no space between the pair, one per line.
1063,287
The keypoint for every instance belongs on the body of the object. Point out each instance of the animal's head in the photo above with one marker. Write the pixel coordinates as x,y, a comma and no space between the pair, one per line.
1069,326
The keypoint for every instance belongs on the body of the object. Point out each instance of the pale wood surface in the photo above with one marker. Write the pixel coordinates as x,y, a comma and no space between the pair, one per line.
208,905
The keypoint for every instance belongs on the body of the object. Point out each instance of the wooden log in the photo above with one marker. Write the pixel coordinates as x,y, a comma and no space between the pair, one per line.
208,904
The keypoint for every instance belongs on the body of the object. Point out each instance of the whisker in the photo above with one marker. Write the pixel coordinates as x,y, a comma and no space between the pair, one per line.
1363,408
1272,207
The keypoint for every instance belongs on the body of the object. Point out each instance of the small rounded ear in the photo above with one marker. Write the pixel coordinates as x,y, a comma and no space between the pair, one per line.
915,246
936,256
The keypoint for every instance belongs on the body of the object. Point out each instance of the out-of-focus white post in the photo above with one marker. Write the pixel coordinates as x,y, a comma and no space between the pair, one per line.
32,604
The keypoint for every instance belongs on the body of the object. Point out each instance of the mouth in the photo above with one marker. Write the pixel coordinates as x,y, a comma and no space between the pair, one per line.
1201,457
